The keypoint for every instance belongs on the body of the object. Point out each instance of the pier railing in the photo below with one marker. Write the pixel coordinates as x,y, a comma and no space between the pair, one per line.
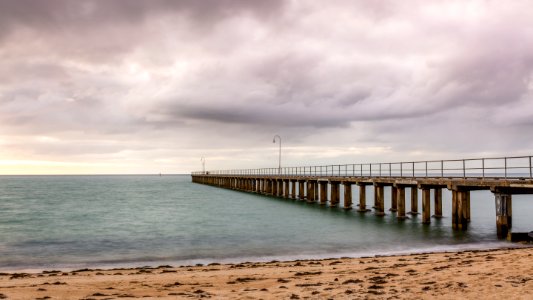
513,167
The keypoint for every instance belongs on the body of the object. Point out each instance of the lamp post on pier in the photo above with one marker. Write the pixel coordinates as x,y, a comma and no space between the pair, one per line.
279,159
203,164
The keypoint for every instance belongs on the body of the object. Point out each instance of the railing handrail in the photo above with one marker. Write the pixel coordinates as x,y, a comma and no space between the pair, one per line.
404,169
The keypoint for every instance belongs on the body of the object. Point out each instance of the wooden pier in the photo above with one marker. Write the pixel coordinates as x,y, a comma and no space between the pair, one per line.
504,177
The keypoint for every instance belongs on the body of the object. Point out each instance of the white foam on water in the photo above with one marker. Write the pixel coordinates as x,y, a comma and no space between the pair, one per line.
243,259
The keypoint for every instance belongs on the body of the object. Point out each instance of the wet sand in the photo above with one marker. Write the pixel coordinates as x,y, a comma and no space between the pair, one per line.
486,274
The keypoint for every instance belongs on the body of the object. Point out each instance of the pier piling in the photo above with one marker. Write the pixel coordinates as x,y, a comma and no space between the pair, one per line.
438,203
459,209
504,214
323,191
380,201
334,193
414,200
311,190
394,199
347,195
293,189
426,211
401,202
362,198
301,189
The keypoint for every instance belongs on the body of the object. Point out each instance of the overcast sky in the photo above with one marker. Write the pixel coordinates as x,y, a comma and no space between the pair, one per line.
152,86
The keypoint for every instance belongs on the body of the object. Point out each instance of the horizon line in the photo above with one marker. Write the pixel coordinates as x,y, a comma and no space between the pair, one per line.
114,174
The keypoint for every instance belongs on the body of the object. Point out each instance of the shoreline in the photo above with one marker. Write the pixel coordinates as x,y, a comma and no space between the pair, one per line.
262,259
465,274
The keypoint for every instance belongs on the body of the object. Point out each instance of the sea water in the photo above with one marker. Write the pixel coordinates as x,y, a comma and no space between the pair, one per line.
54,222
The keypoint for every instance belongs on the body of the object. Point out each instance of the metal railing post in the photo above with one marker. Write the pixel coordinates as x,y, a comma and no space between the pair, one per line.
530,171
413,164
464,169
505,161
483,167
390,169
426,169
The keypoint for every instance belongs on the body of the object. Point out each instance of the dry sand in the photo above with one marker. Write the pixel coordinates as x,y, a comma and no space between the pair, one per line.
492,274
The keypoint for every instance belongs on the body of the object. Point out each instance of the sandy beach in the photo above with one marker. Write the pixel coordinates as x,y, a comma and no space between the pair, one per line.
476,274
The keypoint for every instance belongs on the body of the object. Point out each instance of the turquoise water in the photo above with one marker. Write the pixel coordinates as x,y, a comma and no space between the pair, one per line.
107,221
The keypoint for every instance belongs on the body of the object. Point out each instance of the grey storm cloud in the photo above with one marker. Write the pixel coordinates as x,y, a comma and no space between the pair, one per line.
397,75
62,14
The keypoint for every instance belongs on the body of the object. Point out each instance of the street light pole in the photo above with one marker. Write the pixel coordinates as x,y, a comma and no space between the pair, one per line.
203,164
279,162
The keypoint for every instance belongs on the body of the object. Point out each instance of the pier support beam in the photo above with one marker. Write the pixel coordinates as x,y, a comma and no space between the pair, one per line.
265,186
275,187
459,209
394,198
468,207
301,189
293,189
347,195
323,192
438,203
311,190
334,193
286,184
362,198
400,190
380,199
426,208
504,214
414,201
